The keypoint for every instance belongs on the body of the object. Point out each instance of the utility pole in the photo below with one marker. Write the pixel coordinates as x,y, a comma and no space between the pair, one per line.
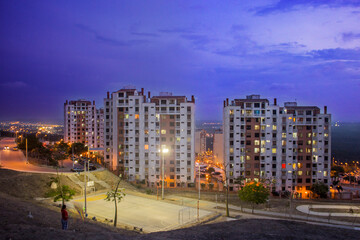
198,203
27,161
162,175
85,180
163,151
72,150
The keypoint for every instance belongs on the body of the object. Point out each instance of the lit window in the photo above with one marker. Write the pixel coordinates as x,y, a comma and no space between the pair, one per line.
300,173
146,147
163,131
126,116
256,142
231,150
231,112
256,150
294,135
136,116
273,150
257,127
274,127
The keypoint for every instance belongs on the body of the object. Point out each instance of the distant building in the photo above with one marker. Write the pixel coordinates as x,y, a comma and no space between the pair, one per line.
218,146
137,127
289,146
83,123
200,141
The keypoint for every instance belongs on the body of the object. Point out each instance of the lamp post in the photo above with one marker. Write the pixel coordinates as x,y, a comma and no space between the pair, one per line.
27,161
163,151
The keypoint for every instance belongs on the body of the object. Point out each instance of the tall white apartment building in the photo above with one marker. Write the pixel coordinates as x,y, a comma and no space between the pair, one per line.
289,146
137,127
82,123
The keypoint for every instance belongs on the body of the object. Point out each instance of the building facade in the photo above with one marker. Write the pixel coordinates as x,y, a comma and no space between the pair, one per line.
200,141
218,147
289,146
138,127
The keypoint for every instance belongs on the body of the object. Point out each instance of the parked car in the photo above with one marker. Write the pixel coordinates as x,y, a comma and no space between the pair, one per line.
15,148
77,170
6,148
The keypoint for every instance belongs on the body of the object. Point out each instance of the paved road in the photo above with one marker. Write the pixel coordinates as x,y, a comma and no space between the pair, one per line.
346,210
15,160
149,214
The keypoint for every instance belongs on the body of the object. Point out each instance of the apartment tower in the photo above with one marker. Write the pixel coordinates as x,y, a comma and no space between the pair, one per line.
82,123
288,146
138,127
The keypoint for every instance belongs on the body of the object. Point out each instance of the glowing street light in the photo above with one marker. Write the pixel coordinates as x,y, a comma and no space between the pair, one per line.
163,151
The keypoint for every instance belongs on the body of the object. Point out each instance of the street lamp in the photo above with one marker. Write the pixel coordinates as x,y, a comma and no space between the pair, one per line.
163,151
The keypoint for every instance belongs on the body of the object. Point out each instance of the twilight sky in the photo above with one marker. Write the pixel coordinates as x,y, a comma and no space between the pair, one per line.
300,49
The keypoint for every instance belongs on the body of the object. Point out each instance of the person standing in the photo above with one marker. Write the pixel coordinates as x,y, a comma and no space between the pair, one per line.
64,218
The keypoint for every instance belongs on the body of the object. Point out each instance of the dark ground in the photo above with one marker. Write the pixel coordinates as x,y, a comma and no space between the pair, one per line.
15,205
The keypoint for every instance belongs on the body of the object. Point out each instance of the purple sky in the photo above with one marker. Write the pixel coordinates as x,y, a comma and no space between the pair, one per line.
57,50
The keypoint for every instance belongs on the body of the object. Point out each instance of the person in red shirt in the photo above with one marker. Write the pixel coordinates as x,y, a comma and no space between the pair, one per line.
64,217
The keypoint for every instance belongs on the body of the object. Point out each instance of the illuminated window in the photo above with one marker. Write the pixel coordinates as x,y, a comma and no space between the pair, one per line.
126,116
231,150
300,165
146,147
163,131
136,116
273,150
274,127
283,142
231,112
257,127
256,150
300,173
326,135
290,118
314,142
157,117
263,127
248,158
262,150
294,135
146,132
257,142
325,173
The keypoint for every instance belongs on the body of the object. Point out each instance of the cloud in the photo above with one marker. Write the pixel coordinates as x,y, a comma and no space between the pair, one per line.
198,40
336,54
176,30
16,84
291,5
350,36
142,34
109,40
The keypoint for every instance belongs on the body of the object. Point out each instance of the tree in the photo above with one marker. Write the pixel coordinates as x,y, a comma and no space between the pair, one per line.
79,148
254,193
320,189
115,196
63,192
336,170
33,143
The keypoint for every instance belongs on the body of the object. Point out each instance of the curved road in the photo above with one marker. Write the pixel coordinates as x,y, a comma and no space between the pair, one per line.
15,160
